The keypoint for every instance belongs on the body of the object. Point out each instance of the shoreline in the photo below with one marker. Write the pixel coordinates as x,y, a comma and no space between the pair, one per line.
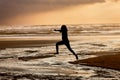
25,43
15,76
106,61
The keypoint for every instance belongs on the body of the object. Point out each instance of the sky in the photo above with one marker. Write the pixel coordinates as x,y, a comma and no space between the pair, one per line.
47,12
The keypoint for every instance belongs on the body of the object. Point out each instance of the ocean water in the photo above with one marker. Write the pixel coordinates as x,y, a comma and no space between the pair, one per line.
89,37
84,40
48,30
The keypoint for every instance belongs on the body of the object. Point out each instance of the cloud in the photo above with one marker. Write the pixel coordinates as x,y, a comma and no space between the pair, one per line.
110,1
12,8
107,12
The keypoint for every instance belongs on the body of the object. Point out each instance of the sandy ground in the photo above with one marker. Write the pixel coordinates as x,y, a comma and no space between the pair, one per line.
107,61
39,62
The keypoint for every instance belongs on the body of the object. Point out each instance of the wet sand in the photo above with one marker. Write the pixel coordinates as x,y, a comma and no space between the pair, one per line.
35,59
111,61
25,43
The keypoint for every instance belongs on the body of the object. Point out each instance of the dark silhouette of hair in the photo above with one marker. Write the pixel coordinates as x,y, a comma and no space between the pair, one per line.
64,41
63,28
64,33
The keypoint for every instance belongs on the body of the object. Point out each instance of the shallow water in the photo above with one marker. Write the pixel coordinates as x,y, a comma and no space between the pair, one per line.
59,64
82,42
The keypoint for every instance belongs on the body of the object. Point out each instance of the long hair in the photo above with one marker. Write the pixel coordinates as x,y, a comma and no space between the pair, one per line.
63,28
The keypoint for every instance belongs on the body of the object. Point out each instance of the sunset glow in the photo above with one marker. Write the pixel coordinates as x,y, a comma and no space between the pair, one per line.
99,12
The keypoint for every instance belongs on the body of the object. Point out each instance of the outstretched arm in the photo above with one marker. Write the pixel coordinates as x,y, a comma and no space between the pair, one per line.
57,30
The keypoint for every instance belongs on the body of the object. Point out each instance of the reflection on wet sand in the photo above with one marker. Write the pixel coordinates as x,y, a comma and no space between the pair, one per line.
38,62
28,53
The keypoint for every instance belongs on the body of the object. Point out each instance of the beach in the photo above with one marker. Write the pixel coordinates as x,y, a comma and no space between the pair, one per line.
32,57
107,61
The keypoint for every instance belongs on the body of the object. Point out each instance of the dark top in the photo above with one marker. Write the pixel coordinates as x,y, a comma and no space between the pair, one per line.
64,32
64,35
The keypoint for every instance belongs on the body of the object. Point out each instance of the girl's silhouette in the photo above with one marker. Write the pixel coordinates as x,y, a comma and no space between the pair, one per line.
64,41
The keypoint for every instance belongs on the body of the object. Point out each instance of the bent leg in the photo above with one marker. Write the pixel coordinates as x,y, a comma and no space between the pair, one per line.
68,46
57,48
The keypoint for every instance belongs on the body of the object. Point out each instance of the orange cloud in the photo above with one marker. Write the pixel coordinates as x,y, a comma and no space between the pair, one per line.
15,8
82,14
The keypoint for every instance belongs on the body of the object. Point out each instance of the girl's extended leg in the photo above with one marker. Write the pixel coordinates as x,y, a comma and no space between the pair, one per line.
68,46
57,46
